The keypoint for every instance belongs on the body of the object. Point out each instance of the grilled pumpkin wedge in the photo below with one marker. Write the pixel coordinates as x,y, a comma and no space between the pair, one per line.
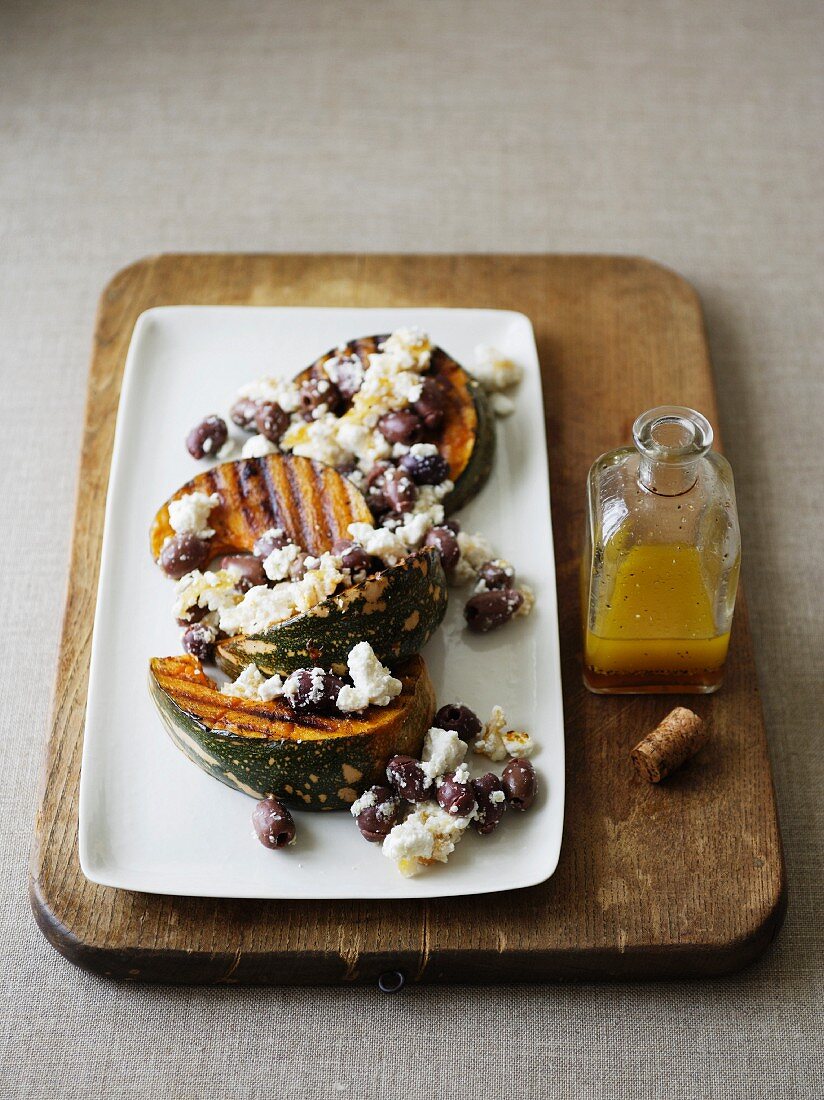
396,610
311,502
466,438
309,761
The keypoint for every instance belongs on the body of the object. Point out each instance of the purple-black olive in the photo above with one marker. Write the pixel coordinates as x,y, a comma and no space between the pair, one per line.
429,469
497,574
353,558
377,821
271,421
207,437
243,413
446,544
430,405
319,393
348,375
273,823
454,797
452,525
313,691
520,783
193,615
407,778
199,640
457,717
182,554
491,799
488,610
269,541
249,567
402,426
400,491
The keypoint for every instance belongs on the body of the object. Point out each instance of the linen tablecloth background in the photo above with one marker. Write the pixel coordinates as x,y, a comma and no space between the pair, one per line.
689,132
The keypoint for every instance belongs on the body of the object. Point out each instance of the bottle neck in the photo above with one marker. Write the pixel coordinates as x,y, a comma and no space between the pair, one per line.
666,478
671,442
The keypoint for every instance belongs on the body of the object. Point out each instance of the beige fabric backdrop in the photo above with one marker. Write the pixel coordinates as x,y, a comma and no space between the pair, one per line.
685,130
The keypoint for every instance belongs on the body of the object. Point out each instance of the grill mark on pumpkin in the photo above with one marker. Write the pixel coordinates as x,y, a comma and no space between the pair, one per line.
256,489
303,492
243,474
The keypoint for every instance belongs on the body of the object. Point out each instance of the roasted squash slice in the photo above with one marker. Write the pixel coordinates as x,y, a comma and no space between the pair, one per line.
396,610
466,438
311,762
311,502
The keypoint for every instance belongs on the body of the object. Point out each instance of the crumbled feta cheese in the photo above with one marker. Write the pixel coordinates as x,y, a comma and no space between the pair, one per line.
257,446
273,390
475,549
442,752
409,347
493,370
462,774
423,450
347,368
378,542
528,601
365,802
374,684
278,564
247,685
502,405
215,591
251,685
497,796
189,514
427,835
317,439
518,743
261,607
490,743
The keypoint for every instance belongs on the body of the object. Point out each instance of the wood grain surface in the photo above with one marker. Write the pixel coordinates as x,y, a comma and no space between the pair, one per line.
682,878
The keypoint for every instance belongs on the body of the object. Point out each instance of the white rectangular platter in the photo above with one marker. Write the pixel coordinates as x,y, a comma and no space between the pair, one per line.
152,821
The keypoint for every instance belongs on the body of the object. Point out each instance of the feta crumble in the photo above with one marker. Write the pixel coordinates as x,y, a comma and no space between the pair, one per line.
258,446
215,591
279,563
261,607
493,370
252,685
497,742
429,834
273,390
442,752
527,603
502,405
491,743
189,514
517,743
373,683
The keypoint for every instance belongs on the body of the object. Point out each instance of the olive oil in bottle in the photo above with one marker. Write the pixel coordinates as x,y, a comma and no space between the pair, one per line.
660,569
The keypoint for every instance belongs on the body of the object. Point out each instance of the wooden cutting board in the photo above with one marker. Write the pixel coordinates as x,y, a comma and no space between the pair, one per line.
685,878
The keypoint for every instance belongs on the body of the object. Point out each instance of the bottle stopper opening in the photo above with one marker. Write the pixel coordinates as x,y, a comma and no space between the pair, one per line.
671,433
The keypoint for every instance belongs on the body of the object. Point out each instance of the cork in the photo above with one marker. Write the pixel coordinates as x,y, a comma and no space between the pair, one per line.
673,741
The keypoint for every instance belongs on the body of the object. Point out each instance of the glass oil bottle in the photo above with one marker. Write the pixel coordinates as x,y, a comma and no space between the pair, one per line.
661,561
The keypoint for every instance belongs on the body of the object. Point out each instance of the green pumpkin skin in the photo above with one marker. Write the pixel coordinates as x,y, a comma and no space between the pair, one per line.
315,773
397,611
